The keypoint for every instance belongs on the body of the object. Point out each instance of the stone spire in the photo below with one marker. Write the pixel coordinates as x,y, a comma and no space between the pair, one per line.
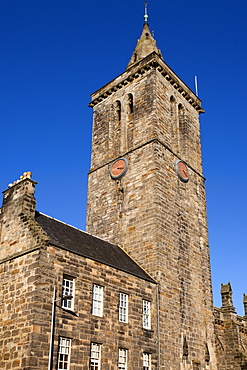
145,45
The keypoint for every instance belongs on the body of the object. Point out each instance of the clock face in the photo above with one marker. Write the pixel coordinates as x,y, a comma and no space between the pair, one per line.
119,168
182,170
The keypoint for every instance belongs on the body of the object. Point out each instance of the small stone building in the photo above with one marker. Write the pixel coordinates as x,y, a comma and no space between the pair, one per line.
134,291
111,314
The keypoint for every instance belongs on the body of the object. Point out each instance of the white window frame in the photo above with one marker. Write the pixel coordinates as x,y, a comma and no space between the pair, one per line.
123,307
146,314
64,350
95,356
146,361
97,304
68,289
122,359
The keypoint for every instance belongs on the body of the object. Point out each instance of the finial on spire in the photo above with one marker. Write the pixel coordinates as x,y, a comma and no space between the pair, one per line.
146,12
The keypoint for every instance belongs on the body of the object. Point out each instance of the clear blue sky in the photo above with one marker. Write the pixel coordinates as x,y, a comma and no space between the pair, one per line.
54,53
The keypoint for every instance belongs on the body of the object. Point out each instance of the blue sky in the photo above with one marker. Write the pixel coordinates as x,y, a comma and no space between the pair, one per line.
54,54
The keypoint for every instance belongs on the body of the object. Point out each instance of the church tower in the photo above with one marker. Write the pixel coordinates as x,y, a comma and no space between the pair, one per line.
146,193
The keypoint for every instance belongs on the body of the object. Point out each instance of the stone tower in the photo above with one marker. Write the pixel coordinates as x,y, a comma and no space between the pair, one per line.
146,193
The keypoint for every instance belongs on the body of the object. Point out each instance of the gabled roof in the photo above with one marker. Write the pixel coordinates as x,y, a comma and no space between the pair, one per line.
79,242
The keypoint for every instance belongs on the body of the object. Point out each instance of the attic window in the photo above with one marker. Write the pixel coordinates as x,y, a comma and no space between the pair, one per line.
147,35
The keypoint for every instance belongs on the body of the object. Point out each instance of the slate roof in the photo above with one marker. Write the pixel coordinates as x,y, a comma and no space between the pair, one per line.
86,245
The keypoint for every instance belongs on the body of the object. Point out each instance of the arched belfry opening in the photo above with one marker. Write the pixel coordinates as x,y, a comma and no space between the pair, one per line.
117,110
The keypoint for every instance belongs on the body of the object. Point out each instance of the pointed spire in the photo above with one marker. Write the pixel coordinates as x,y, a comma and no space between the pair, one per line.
146,44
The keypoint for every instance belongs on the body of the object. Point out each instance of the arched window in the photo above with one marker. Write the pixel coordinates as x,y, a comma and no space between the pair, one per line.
116,128
172,105
183,129
181,117
173,122
129,127
117,110
130,104
207,354
185,348
180,109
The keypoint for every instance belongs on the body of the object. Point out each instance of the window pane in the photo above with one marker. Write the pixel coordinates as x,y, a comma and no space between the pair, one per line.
123,307
122,359
97,306
68,289
146,314
146,361
95,356
64,353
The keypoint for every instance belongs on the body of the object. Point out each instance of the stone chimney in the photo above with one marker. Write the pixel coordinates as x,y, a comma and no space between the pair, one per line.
19,197
18,210
226,296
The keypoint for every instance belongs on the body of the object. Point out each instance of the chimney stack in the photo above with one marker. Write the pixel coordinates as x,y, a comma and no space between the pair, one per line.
17,210
19,197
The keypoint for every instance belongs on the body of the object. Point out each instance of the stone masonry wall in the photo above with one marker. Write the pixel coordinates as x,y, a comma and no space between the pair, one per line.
84,328
16,295
21,243
26,306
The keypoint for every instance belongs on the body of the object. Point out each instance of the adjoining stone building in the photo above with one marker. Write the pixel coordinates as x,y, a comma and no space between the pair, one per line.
113,309
138,294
